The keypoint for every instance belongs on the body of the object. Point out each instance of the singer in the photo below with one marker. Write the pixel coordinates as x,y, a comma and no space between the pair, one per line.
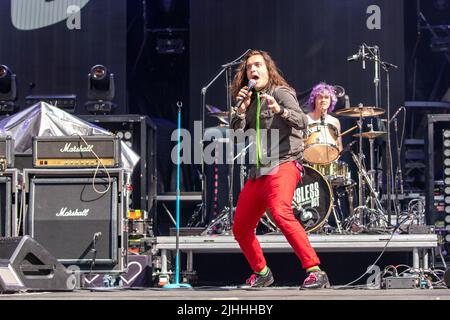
273,106
321,101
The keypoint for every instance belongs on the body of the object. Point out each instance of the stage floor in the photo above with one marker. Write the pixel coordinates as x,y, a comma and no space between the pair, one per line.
232,293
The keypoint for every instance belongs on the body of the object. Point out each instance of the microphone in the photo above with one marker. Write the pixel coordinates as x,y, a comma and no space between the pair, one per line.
322,117
395,114
251,85
363,57
354,57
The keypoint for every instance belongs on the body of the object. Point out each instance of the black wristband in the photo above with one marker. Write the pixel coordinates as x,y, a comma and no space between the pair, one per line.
281,111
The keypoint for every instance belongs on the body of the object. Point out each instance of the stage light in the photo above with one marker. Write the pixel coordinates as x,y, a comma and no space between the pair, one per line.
8,91
101,91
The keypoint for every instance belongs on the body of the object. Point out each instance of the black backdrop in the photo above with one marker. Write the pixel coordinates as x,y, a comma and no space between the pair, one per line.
58,59
309,40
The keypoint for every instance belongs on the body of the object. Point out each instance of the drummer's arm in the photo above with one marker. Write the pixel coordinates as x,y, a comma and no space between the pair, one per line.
293,115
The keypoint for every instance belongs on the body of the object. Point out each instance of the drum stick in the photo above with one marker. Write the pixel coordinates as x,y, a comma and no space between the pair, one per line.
345,132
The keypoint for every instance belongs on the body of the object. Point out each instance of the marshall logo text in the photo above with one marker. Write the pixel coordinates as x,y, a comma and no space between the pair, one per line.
64,212
68,148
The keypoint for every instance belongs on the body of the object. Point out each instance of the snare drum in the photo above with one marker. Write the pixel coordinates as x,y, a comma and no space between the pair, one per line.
321,143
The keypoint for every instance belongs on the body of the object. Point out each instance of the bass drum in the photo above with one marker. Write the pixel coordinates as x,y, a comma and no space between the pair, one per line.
312,200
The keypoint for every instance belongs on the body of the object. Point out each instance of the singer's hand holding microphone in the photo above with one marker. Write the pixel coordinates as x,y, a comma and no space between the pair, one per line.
244,96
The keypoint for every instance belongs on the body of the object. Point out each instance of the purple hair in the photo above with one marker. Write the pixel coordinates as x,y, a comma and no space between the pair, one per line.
316,90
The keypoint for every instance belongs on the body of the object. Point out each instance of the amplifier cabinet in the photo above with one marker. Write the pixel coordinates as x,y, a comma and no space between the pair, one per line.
77,217
9,200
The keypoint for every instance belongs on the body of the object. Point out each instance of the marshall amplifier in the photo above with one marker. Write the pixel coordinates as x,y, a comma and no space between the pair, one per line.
78,218
76,151
6,152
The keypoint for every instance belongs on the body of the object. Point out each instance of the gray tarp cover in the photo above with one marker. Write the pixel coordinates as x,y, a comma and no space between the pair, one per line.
43,119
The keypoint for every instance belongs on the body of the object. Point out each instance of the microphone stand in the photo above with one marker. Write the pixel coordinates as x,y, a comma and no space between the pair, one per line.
225,68
385,66
397,178
398,173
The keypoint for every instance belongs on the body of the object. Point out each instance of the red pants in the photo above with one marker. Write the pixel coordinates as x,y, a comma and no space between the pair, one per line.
274,192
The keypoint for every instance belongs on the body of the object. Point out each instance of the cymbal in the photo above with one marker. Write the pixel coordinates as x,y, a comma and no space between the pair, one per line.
370,134
360,111
222,114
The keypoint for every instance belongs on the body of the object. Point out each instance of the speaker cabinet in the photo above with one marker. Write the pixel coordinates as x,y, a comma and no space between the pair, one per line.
27,265
79,216
9,199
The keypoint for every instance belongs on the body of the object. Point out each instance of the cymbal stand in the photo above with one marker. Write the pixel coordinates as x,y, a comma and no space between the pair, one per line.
379,212
360,161
363,180
335,214
372,166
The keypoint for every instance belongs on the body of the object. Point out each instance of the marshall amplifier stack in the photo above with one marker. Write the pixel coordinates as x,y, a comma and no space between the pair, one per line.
76,152
75,201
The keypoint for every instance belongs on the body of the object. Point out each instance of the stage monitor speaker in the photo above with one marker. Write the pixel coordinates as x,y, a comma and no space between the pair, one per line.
79,218
27,265
9,198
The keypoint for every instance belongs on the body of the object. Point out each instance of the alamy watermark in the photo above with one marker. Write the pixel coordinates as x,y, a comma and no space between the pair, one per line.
225,146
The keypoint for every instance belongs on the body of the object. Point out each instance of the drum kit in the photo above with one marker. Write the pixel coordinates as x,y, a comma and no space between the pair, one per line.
331,178
327,180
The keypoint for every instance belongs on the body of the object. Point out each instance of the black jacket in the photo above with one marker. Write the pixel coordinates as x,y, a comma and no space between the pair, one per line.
289,145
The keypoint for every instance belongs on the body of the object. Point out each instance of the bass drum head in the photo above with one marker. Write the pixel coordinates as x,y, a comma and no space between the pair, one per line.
311,203
312,200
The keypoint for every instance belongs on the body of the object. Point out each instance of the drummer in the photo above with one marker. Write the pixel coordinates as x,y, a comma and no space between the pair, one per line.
322,100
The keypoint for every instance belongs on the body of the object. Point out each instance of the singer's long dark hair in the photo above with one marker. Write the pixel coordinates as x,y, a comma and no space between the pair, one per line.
240,79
